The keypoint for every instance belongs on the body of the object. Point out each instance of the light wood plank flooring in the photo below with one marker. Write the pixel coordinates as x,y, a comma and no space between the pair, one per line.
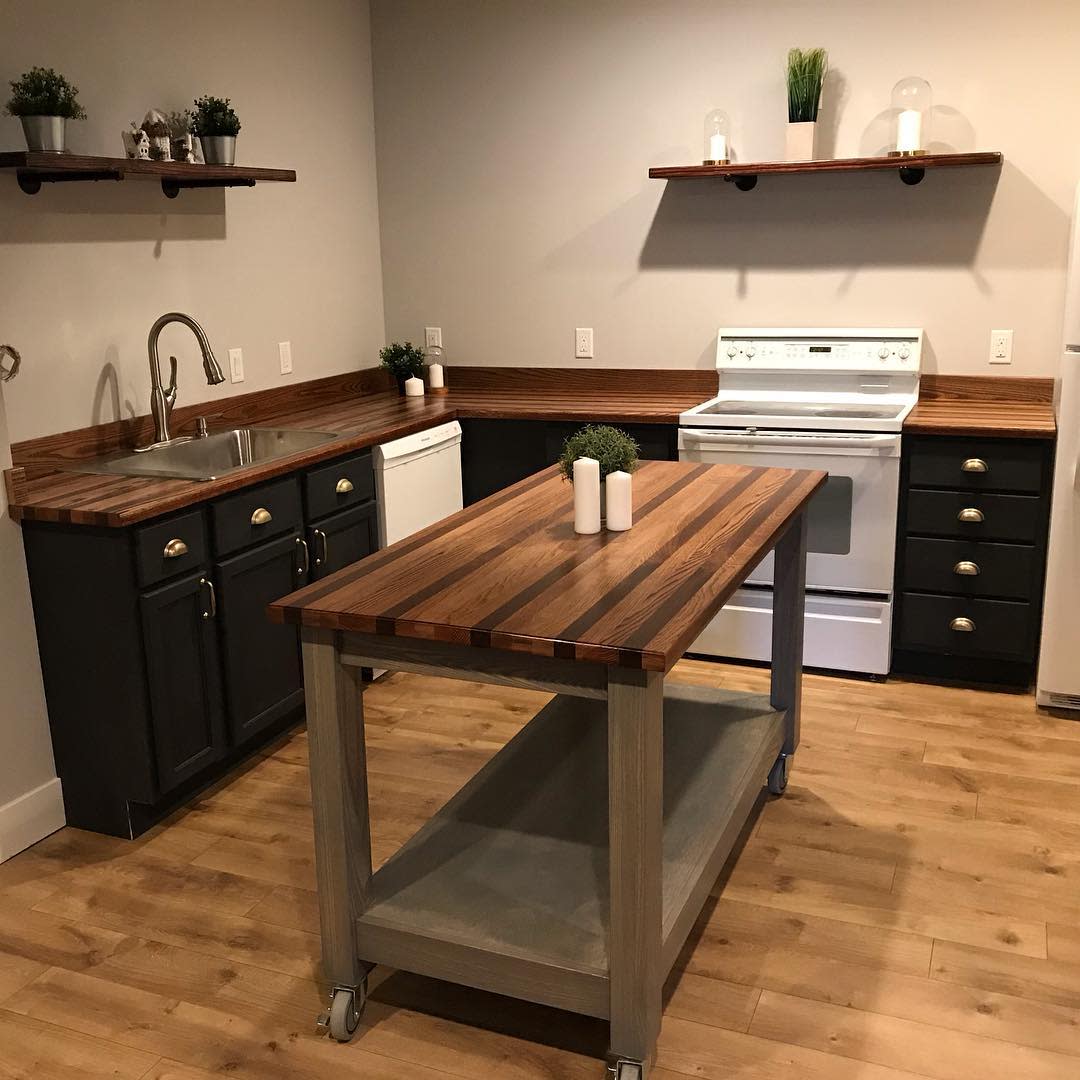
911,908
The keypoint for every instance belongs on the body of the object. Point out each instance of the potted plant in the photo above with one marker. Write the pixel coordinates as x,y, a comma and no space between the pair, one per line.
612,448
403,362
806,70
44,102
217,126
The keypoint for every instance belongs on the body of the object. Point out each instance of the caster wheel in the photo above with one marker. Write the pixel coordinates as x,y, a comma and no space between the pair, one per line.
626,1070
345,1010
778,775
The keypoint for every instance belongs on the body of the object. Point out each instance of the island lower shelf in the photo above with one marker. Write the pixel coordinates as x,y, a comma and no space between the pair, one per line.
506,888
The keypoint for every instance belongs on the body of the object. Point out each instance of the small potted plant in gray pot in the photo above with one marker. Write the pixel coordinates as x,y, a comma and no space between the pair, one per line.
217,126
403,362
45,102
612,448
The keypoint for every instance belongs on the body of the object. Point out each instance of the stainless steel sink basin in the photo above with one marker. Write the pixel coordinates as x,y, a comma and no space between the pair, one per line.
210,457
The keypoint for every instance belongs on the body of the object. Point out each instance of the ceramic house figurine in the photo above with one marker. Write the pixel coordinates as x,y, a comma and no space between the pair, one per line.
137,143
157,129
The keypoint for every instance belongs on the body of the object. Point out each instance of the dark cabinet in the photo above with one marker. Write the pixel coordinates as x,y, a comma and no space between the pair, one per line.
342,539
263,675
184,679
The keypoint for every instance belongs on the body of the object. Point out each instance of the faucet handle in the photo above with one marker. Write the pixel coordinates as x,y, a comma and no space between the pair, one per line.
200,427
170,392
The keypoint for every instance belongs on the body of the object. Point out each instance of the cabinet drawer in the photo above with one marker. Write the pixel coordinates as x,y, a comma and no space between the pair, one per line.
1003,517
339,485
167,548
970,568
999,628
977,464
256,514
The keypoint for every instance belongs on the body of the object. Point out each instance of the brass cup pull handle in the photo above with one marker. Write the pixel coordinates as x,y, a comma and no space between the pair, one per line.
211,611
175,548
966,568
343,486
962,624
974,464
262,516
970,515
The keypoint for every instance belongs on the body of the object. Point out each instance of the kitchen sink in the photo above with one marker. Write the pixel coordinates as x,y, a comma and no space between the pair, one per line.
210,456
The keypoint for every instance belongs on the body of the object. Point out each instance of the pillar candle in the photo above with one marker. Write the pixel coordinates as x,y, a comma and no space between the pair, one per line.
435,376
414,387
620,502
586,495
909,130
718,147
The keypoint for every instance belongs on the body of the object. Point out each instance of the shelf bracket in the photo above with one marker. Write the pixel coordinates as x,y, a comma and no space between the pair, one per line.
911,176
30,180
744,181
171,187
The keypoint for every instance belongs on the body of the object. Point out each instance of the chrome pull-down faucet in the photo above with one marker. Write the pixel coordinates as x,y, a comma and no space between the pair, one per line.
163,398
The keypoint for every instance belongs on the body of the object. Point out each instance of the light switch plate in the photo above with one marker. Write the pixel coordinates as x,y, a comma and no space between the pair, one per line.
1001,346
432,337
236,365
284,349
583,343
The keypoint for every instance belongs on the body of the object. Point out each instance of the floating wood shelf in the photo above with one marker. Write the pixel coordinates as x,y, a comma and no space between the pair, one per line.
33,168
744,175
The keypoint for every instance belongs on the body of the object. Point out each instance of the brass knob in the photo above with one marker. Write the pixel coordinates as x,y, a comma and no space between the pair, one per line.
966,568
175,548
344,486
970,514
975,464
966,625
261,516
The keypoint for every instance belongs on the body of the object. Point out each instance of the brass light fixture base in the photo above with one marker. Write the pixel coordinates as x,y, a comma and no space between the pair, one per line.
717,161
906,153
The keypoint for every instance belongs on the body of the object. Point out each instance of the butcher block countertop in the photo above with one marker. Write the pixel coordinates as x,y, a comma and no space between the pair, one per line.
510,572
363,412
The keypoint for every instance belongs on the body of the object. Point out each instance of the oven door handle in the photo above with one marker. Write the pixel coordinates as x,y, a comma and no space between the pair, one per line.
864,445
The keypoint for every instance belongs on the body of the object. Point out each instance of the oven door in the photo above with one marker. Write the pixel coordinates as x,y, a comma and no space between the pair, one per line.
851,537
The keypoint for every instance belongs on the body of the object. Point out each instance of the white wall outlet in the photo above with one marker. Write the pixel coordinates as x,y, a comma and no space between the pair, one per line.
432,337
236,365
1001,342
583,343
284,350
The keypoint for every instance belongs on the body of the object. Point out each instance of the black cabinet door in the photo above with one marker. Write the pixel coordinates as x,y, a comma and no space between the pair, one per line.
184,679
498,453
342,539
656,442
263,679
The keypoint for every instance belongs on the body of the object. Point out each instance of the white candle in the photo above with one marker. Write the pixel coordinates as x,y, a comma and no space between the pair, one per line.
586,495
435,376
620,502
909,130
414,387
718,147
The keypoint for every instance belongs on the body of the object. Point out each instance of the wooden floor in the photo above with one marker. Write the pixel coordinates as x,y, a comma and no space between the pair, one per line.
911,908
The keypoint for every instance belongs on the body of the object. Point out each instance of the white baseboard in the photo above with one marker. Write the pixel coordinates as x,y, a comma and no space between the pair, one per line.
30,818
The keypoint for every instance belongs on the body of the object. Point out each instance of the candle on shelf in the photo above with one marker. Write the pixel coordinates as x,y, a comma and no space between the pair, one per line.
620,502
414,387
718,147
717,127
586,495
909,130
913,103
435,376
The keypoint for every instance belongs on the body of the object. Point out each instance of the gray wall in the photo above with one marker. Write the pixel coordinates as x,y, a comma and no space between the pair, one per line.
86,268
514,140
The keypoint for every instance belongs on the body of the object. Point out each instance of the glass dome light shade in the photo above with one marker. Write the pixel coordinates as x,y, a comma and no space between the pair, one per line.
913,102
717,149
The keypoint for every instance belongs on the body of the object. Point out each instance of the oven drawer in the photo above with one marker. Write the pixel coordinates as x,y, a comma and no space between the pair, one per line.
967,627
974,516
970,568
976,464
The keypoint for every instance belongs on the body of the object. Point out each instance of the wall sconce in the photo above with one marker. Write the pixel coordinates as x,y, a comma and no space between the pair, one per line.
912,99
717,138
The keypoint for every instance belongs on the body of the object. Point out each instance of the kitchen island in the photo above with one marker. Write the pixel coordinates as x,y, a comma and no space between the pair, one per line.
570,870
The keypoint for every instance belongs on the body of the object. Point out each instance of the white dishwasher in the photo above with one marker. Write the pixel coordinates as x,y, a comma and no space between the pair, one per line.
418,481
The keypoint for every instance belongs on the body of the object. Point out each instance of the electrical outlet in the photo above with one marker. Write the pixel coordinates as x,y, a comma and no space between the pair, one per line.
284,349
1001,343
583,343
432,337
236,365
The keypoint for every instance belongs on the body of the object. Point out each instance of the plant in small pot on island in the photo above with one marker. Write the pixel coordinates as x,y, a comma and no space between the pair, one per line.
614,452
806,71
217,126
403,362
45,102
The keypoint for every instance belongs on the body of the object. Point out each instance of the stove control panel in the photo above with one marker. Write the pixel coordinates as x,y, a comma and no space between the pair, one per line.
749,349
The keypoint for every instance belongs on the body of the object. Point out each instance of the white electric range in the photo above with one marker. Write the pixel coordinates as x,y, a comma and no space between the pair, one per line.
831,399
